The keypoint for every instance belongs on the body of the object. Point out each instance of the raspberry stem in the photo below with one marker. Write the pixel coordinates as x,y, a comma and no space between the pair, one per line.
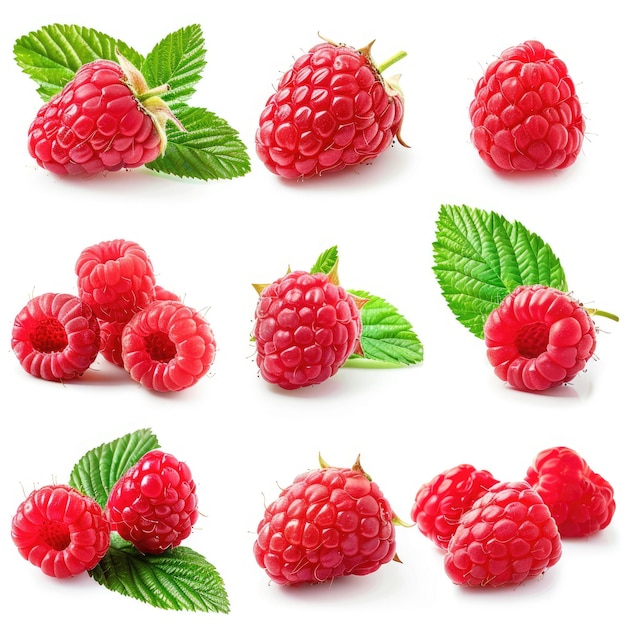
391,60
602,313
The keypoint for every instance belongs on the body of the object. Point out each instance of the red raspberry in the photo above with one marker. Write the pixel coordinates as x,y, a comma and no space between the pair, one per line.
331,109
525,113
106,118
154,504
330,522
111,332
507,537
61,531
305,329
56,336
168,346
440,503
539,337
116,279
581,501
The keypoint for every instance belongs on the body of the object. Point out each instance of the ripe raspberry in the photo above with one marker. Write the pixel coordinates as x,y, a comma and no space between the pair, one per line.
154,504
305,329
330,522
116,279
61,531
440,503
168,346
525,113
56,337
331,109
507,537
106,118
539,337
111,332
580,500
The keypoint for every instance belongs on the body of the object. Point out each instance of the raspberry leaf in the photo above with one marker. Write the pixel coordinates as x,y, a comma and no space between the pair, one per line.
99,469
208,149
52,55
179,579
387,337
178,61
326,261
480,257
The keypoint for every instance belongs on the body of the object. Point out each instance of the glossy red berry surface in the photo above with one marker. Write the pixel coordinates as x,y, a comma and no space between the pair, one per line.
168,346
305,329
507,536
538,338
329,522
331,109
525,114
61,531
440,503
116,279
94,124
56,336
581,501
154,505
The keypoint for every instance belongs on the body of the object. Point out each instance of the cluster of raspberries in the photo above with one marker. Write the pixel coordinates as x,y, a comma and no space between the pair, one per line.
497,533
121,313
64,532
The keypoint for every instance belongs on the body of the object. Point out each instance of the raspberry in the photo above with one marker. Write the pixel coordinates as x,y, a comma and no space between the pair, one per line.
111,332
331,109
61,531
508,536
154,504
168,346
305,329
539,337
105,118
56,337
580,500
330,522
116,279
440,503
525,114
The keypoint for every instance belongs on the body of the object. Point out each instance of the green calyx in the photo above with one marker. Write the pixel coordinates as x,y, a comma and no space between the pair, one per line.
149,99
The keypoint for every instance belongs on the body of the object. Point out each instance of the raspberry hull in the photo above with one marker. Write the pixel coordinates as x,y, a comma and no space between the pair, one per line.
168,346
330,522
305,329
56,337
508,536
331,109
61,531
154,505
94,124
581,501
525,114
538,338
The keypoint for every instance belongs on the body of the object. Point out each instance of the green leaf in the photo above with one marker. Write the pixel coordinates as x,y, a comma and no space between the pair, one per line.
209,149
387,336
52,55
178,61
326,261
178,579
481,257
100,468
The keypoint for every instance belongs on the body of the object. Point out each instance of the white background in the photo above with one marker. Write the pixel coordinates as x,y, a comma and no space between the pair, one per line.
209,241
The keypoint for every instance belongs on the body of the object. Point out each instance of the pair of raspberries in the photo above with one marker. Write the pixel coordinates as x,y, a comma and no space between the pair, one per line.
64,532
332,109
